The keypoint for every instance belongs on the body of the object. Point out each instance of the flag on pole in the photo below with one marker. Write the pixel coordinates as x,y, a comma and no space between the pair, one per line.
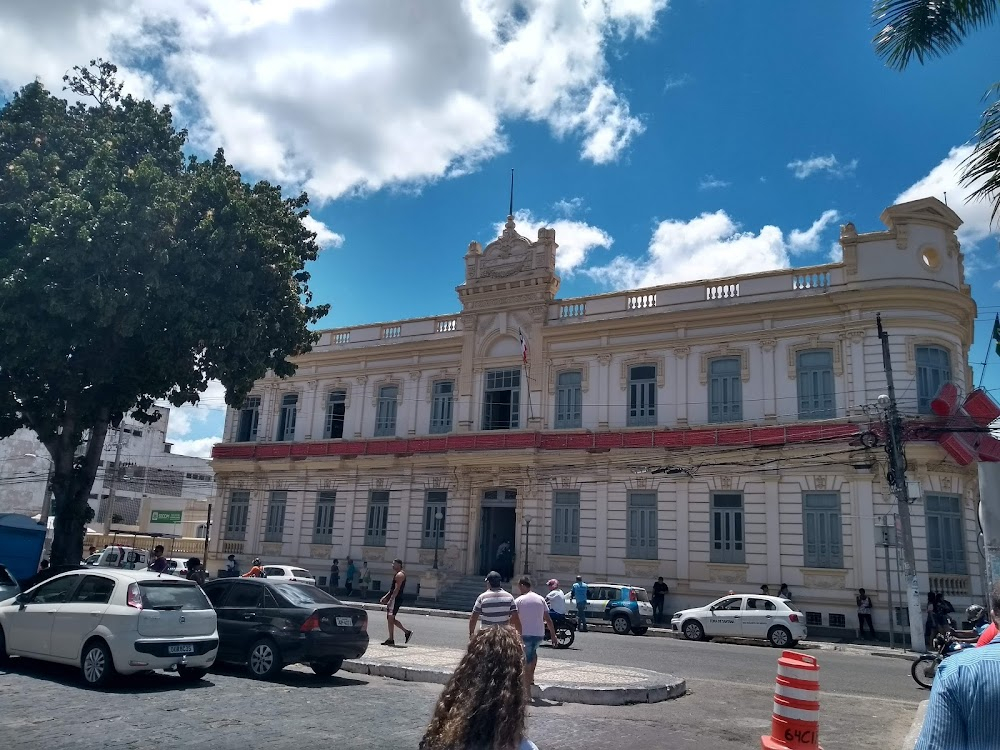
996,332
524,345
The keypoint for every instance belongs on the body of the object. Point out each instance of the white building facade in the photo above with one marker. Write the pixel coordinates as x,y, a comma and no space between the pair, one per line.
706,432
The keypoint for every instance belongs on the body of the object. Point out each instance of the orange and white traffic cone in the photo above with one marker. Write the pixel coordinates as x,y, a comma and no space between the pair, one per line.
795,721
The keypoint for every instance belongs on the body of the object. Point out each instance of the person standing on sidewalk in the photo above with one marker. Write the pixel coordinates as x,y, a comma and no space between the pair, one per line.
365,582
334,575
494,607
579,594
660,590
864,613
962,712
349,579
533,617
393,600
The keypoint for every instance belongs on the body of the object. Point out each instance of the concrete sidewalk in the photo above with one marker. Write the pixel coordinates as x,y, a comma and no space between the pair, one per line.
559,681
860,649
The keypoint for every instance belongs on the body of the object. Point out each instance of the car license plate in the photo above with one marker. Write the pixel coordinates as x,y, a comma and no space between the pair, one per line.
344,622
184,648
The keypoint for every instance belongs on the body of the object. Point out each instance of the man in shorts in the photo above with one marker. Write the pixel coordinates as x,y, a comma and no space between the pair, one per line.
533,616
392,602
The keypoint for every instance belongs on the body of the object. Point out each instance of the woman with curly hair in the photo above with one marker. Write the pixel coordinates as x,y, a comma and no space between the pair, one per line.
483,706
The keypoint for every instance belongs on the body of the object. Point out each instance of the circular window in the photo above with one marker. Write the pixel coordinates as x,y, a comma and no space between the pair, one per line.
931,258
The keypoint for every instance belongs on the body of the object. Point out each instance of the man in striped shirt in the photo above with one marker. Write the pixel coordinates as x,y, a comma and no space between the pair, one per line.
962,713
495,607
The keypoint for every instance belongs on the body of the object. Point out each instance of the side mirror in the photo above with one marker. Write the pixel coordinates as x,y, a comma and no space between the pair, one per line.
22,599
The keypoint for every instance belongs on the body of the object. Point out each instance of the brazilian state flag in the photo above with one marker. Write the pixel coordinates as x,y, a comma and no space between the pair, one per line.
996,332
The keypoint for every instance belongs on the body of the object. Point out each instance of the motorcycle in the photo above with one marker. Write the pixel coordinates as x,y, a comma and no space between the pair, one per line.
925,667
565,629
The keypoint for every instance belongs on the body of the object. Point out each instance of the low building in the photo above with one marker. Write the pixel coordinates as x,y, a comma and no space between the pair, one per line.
706,432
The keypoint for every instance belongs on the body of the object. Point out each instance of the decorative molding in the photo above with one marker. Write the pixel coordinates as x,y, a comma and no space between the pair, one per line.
681,352
641,569
426,556
382,382
568,365
604,359
767,345
565,564
954,246
538,313
946,483
373,554
327,484
724,352
321,551
444,376
361,379
823,578
855,335
504,301
643,358
819,482
725,482
722,573
271,549
816,342
912,342
377,483
279,485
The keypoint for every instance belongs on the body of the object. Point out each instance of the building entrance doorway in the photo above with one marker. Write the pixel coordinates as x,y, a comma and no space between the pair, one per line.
497,532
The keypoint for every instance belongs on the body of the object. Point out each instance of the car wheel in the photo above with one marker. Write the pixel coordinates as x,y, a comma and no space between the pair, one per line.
264,659
780,637
621,625
4,656
693,630
191,674
96,664
640,631
326,668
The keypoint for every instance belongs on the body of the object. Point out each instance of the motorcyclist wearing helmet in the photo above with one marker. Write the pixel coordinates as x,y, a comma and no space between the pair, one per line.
977,618
257,571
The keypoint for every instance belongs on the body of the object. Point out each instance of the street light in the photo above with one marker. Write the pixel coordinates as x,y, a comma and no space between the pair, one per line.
527,536
438,517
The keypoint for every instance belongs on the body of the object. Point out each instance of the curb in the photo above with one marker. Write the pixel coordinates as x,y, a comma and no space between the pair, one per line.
664,687
848,648
918,723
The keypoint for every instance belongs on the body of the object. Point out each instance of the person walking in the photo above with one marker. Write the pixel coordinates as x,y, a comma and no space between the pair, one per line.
349,577
159,563
533,618
864,613
660,590
962,711
578,594
392,601
334,575
494,607
483,705
195,571
365,581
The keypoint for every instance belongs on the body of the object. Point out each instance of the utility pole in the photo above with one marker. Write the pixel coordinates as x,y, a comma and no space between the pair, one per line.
989,519
897,478
114,482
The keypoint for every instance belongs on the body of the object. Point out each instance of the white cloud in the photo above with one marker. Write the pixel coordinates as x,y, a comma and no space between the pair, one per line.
325,237
575,238
707,247
803,168
201,448
568,206
805,241
208,416
337,96
945,180
675,82
836,252
711,182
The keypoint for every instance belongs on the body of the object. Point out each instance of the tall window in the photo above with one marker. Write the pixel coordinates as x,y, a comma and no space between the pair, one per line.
945,537
569,399
641,395
821,519
385,414
236,517
378,518
274,531
246,430
502,400
442,405
323,522
727,529
933,370
814,370
725,390
435,503
336,408
286,419
642,544
566,523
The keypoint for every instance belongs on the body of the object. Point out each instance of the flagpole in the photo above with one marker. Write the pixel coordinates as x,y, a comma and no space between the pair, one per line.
994,342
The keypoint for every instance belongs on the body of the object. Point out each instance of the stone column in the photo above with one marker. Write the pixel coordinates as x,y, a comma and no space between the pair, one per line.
296,507
859,385
306,422
355,426
681,383
468,378
767,347
603,390
682,485
863,520
601,531
772,515
268,407
404,519
412,395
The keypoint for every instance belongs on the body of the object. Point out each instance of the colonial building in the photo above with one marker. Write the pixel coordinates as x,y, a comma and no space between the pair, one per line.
705,431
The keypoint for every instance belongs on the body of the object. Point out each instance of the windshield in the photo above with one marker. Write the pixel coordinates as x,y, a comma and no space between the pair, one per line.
640,595
156,595
301,573
6,579
304,595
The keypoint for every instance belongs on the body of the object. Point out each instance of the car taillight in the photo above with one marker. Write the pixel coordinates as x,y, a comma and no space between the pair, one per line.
363,623
632,597
134,598
311,623
793,617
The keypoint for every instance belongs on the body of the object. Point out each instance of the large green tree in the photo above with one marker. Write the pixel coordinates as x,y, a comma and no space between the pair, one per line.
923,29
132,272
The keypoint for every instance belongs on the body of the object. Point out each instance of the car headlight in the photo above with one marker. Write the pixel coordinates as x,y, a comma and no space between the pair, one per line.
675,616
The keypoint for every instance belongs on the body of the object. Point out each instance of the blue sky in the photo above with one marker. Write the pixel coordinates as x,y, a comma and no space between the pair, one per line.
660,138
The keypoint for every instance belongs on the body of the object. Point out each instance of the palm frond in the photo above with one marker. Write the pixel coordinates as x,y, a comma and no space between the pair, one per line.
982,168
926,28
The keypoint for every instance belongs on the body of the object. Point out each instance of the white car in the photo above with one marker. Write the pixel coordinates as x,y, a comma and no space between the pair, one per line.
743,616
108,621
290,573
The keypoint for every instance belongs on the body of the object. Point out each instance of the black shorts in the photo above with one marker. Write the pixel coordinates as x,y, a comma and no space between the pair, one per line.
394,606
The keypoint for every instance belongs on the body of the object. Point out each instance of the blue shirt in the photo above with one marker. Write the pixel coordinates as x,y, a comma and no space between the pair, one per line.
962,713
580,593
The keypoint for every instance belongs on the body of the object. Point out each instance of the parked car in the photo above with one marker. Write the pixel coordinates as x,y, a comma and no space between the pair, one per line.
43,575
92,559
177,567
109,621
268,623
9,587
745,616
290,573
128,558
626,607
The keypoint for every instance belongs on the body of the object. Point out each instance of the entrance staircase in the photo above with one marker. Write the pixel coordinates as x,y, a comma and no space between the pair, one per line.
460,593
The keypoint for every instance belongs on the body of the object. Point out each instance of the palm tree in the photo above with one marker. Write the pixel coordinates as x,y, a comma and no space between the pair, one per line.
928,28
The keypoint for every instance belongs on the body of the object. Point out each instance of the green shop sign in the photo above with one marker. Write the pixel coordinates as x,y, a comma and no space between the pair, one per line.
166,516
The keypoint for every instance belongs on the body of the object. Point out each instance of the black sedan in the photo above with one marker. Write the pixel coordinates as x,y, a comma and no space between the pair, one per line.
268,625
